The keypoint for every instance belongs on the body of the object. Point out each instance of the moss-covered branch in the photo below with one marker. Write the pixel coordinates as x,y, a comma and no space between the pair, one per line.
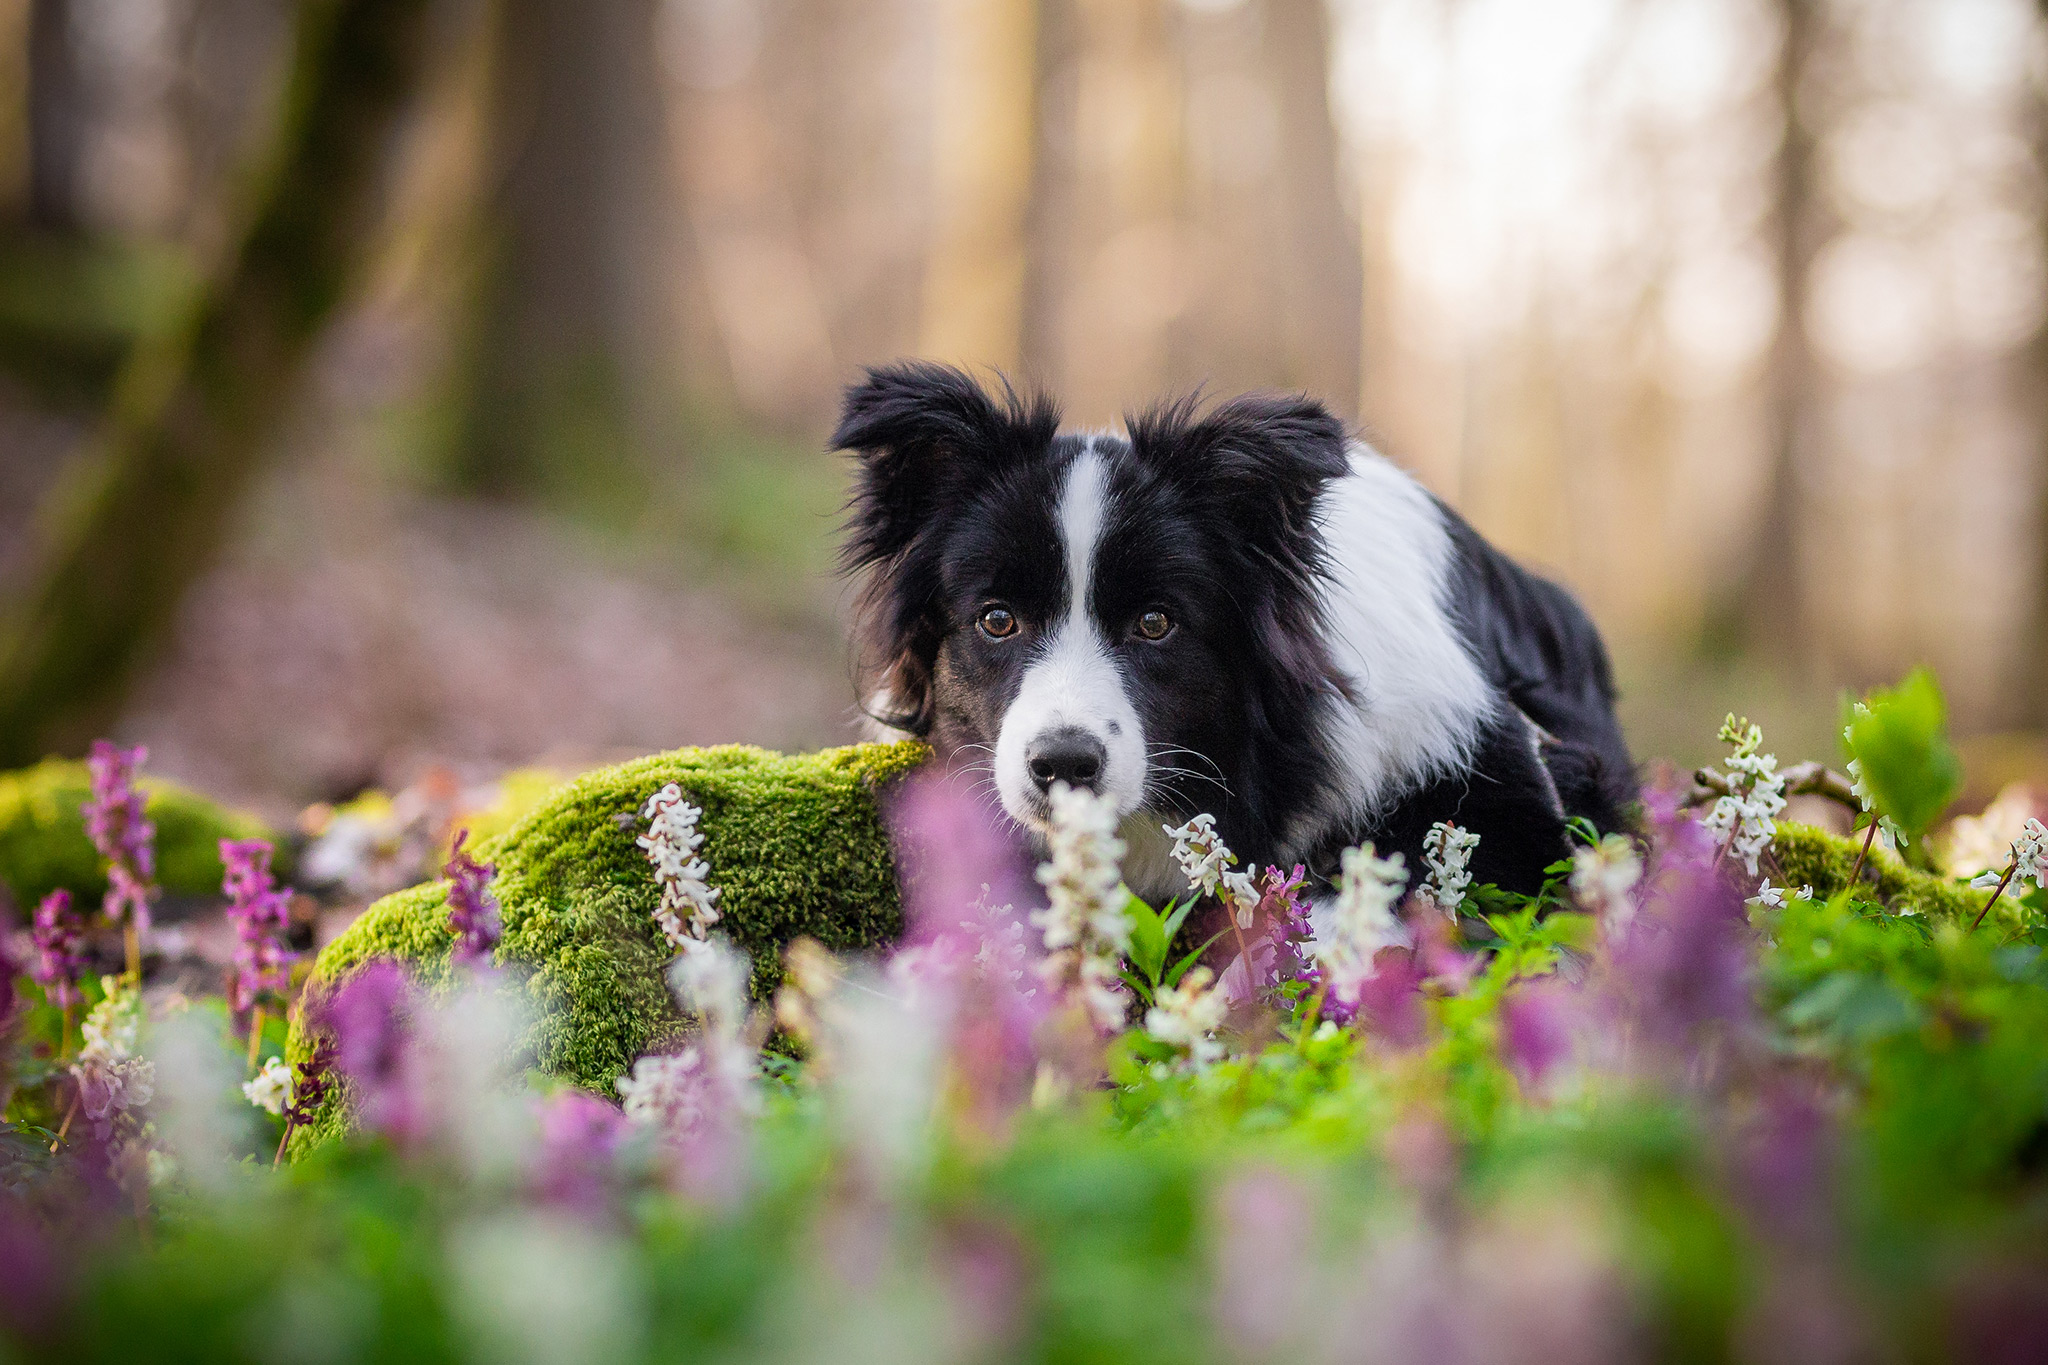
196,407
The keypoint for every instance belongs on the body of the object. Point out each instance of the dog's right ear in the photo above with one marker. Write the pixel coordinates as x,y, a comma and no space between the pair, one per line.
920,429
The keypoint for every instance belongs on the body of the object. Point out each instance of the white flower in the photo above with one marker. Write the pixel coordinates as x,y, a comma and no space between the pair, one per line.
272,1088
1207,862
1746,818
113,1031
2030,854
1084,927
1362,922
1448,852
667,1092
686,911
1986,881
1604,879
1081,876
1187,1016
710,979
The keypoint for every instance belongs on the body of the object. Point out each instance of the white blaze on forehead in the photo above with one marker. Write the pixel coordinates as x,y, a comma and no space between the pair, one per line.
1074,681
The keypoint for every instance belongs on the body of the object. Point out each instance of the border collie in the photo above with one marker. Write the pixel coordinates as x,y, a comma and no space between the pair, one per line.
1241,611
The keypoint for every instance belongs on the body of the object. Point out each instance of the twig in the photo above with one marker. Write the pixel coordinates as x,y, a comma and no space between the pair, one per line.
1868,839
2015,866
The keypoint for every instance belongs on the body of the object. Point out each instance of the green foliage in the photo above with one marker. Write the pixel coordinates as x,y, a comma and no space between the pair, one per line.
1899,740
1156,958
43,844
796,846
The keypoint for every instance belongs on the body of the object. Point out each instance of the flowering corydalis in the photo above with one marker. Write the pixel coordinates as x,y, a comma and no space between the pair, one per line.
1208,863
61,958
2029,859
1362,922
1186,1016
1745,818
113,1080
472,909
271,1089
1604,881
687,910
1447,850
1084,926
1283,949
125,838
260,913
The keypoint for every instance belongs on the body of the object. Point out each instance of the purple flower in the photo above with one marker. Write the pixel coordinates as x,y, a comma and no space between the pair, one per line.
1783,1163
1681,968
1389,1002
259,912
9,969
370,1019
311,1085
61,957
1538,1026
1279,941
579,1143
967,944
123,835
34,1265
472,909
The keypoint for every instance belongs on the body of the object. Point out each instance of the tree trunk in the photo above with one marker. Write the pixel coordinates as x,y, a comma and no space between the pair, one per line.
1320,266
197,407
985,129
1770,607
56,118
561,388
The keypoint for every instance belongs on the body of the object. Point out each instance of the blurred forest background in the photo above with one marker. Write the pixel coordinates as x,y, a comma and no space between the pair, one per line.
390,383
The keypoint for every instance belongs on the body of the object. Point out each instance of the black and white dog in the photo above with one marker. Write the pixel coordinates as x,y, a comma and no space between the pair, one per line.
1242,611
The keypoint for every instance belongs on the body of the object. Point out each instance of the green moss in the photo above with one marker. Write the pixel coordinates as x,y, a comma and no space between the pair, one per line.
43,844
796,846
1813,857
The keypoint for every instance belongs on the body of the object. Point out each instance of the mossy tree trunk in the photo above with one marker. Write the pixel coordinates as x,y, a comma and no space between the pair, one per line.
197,407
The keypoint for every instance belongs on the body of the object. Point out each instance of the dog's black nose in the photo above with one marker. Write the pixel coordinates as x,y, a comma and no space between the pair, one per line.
1072,756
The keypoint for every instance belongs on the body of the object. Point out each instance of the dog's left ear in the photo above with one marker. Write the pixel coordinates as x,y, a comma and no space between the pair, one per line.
1264,456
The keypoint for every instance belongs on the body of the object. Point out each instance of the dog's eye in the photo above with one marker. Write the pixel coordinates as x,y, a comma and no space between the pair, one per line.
997,623
1155,624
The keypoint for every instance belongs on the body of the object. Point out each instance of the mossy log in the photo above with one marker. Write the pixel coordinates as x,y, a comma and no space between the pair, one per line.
43,843
1813,857
797,846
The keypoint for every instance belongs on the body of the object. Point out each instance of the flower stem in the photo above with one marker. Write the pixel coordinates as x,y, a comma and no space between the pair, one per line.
1869,837
1995,895
69,1114
255,1035
286,1137
131,938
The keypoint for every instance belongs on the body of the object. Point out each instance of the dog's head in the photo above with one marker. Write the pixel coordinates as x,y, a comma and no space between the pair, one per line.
1135,615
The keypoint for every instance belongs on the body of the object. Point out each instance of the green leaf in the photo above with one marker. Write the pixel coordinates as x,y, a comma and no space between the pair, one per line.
1176,915
1138,986
1148,936
1900,743
1180,968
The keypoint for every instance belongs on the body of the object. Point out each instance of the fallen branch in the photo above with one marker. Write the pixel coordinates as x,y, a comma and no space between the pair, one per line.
1812,778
